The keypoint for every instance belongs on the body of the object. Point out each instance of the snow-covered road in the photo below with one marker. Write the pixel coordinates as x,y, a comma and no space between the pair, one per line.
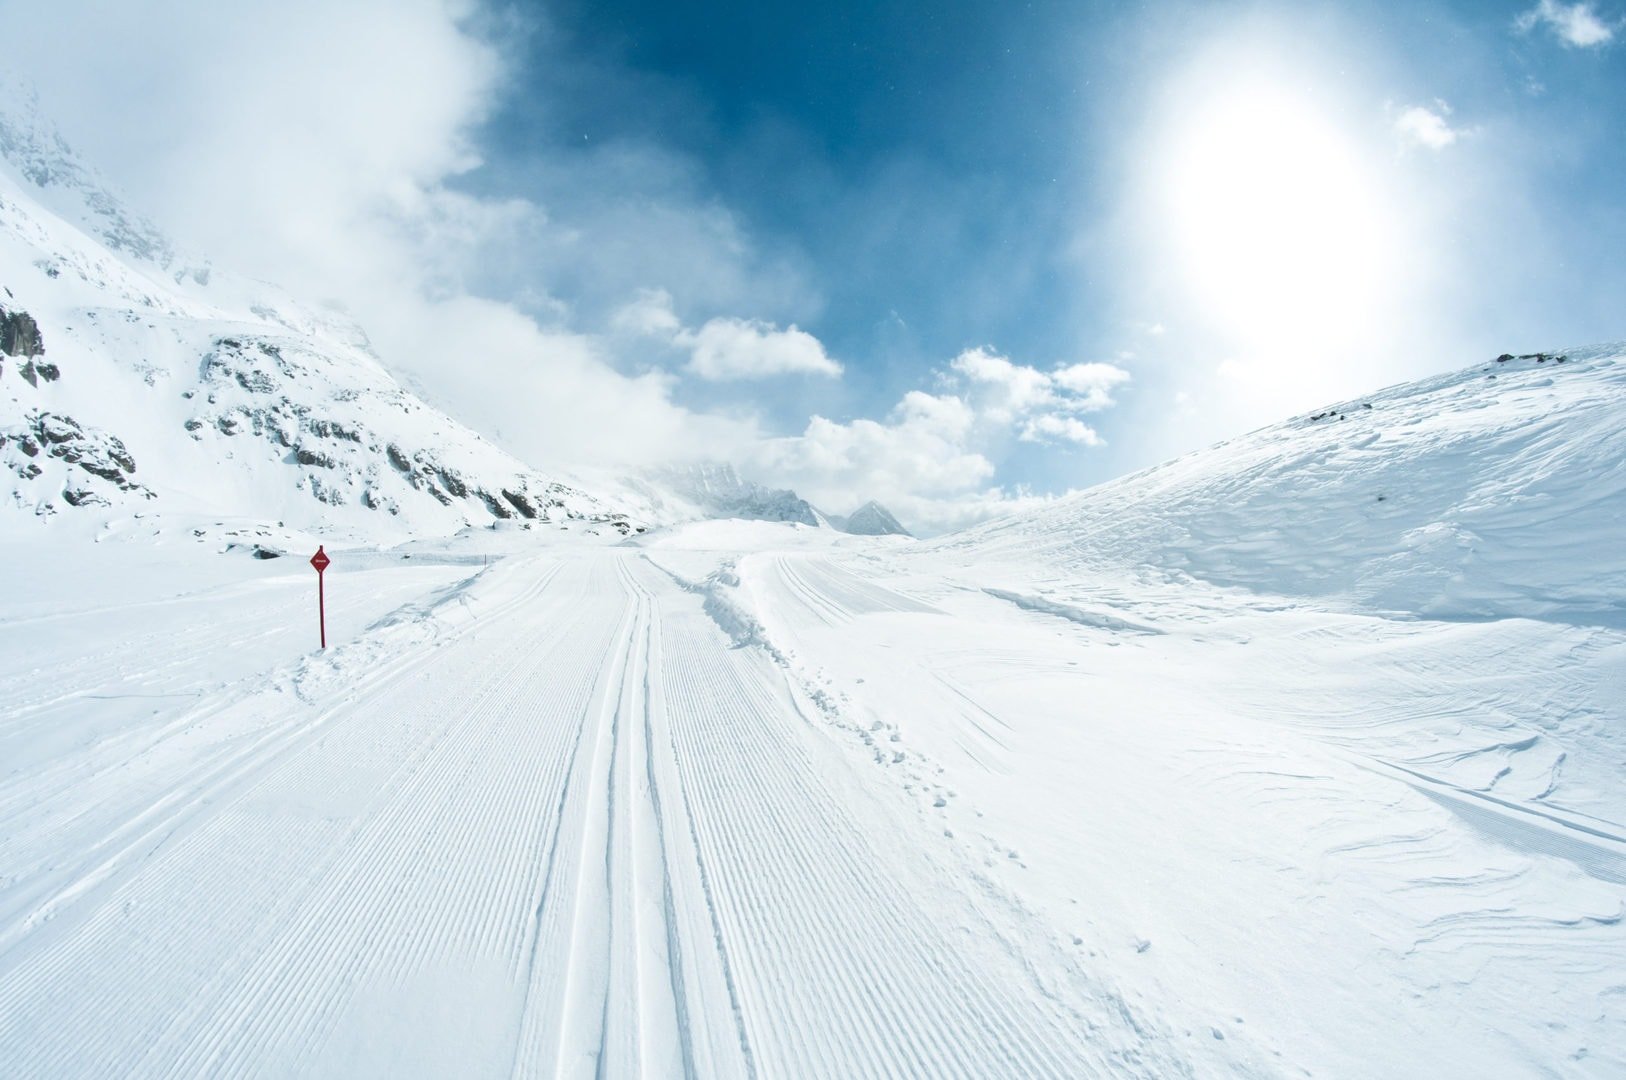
734,805
580,833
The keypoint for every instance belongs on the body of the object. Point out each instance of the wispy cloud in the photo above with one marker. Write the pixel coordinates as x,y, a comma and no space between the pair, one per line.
1049,426
1576,25
591,318
330,148
726,348
1004,392
1427,126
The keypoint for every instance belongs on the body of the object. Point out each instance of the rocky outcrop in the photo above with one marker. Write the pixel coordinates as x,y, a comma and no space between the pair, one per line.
20,334
47,436
258,388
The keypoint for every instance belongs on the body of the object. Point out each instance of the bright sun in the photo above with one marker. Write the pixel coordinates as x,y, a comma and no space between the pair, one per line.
1275,223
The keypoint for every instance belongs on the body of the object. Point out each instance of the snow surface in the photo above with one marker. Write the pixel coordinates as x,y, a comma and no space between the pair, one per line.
1069,795
1302,755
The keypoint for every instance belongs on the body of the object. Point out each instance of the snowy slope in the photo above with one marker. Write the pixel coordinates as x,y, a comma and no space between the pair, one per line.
165,388
1495,491
872,519
716,490
761,799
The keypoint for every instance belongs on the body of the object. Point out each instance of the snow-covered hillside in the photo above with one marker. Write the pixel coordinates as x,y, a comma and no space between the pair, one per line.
716,490
1225,769
1492,492
871,519
150,383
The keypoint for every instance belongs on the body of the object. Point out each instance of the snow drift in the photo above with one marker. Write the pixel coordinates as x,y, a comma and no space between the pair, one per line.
1496,491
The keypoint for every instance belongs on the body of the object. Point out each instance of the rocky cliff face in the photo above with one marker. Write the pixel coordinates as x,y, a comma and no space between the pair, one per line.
19,334
236,401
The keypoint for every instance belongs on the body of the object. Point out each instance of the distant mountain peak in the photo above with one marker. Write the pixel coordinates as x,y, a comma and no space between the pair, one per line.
873,519
716,490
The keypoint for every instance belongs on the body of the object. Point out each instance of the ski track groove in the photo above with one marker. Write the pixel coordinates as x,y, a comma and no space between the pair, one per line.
173,803
591,804
374,840
815,861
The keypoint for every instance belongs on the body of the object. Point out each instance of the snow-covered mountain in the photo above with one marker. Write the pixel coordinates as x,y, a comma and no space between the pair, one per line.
871,519
1494,491
137,380
704,490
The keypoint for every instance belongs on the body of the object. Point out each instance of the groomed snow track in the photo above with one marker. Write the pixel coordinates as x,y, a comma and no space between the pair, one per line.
579,835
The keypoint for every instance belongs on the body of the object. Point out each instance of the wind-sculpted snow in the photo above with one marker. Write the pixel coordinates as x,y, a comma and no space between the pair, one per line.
829,807
576,833
1491,492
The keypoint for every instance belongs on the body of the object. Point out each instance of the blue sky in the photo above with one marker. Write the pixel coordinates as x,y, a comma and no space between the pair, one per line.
1024,247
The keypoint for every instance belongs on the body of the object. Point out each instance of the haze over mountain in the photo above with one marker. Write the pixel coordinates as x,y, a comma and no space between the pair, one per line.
155,384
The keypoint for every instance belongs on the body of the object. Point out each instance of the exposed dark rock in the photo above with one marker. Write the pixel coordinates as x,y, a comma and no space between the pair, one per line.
452,482
332,429
33,369
104,469
20,334
255,382
520,503
54,428
310,457
497,509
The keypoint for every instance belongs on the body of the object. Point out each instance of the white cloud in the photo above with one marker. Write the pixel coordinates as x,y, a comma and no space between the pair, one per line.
920,449
329,148
726,348
321,146
729,348
1576,25
928,461
919,463
1427,127
1040,405
650,314
1006,389
1051,426
1092,384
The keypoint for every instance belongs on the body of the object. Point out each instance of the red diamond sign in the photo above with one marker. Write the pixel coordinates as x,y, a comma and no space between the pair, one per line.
320,561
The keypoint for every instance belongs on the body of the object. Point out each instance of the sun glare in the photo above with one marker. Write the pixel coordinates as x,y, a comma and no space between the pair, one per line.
1275,222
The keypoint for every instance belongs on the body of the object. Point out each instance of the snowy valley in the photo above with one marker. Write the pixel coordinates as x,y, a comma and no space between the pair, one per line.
1299,755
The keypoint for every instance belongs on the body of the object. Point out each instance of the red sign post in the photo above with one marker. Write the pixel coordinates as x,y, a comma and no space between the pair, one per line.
320,561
